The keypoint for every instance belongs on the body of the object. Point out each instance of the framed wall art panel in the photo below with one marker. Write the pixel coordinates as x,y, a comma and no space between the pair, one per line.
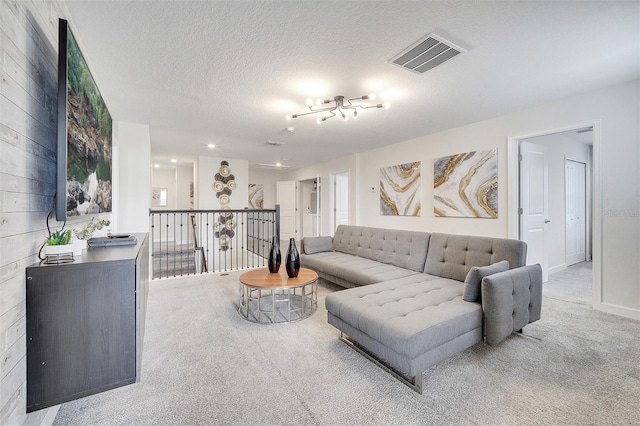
466,185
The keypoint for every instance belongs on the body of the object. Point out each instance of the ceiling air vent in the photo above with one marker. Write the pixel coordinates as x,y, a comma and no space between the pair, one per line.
274,143
425,54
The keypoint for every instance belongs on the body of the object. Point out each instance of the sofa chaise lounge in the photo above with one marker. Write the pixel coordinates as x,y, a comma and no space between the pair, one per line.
417,298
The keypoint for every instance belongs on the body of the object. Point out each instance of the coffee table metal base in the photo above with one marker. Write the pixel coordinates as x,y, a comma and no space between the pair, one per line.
277,304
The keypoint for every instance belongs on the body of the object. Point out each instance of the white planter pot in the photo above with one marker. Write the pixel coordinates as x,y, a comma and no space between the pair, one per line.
54,250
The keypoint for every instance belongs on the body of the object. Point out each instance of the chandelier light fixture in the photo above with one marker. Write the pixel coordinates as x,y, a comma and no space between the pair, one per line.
337,106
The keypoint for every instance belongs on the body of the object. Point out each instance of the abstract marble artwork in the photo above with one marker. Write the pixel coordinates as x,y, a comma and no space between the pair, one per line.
256,195
466,185
400,190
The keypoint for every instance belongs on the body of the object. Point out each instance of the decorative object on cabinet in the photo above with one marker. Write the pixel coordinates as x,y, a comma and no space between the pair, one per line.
58,247
84,233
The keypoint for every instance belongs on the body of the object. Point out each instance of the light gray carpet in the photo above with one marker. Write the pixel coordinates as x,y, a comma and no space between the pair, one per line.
572,284
204,364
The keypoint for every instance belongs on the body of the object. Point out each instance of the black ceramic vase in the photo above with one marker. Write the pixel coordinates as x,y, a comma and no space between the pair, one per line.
274,256
293,260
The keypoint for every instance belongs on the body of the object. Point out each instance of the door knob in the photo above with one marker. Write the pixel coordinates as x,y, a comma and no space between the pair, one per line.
547,221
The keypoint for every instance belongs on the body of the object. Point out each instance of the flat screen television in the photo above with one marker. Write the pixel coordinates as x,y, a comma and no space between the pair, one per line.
84,150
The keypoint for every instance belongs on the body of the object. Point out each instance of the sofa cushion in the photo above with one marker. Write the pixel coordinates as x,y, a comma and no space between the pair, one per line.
452,256
317,244
404,249
474,278
353,269
412,315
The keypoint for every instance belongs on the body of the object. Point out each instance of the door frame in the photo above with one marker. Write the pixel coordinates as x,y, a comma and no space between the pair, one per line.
513,194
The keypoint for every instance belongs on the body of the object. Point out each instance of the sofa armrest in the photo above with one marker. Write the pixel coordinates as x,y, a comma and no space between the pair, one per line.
511,300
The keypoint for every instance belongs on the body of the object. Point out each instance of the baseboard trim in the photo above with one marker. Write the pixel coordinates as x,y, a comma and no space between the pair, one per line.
622,311
52,412
558,268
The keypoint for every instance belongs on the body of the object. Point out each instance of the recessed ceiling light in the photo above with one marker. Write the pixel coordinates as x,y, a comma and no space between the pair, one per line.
278,164
211,145
173,160
156,165
290,129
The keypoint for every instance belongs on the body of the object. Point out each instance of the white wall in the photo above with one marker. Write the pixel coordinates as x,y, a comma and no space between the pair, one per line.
206,168
173,226
133,186
559,147
166,178
616,224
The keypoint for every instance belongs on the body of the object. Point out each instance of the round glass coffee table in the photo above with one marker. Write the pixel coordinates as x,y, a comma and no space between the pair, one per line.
275,298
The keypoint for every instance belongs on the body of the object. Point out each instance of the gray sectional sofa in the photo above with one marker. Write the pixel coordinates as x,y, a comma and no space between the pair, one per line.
417,298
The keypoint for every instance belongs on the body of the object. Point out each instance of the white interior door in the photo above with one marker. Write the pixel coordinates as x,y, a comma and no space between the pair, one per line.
576,211
286,198
341,197
534,204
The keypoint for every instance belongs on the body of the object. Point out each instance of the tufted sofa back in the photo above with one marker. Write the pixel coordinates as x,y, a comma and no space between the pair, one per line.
451,256
405,249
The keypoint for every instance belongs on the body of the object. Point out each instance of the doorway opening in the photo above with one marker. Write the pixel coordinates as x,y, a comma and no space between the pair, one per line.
310,206
551,207
339,199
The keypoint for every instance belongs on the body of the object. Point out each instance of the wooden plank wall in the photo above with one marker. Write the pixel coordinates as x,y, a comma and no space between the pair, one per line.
28,110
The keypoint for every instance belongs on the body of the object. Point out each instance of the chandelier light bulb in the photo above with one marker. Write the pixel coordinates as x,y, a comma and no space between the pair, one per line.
318,101
387,104
319,120
309,102
288,117
372,96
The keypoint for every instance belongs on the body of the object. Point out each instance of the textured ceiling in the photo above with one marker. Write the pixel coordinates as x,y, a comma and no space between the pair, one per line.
227,72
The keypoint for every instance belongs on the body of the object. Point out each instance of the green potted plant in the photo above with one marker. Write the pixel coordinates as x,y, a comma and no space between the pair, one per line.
59,242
